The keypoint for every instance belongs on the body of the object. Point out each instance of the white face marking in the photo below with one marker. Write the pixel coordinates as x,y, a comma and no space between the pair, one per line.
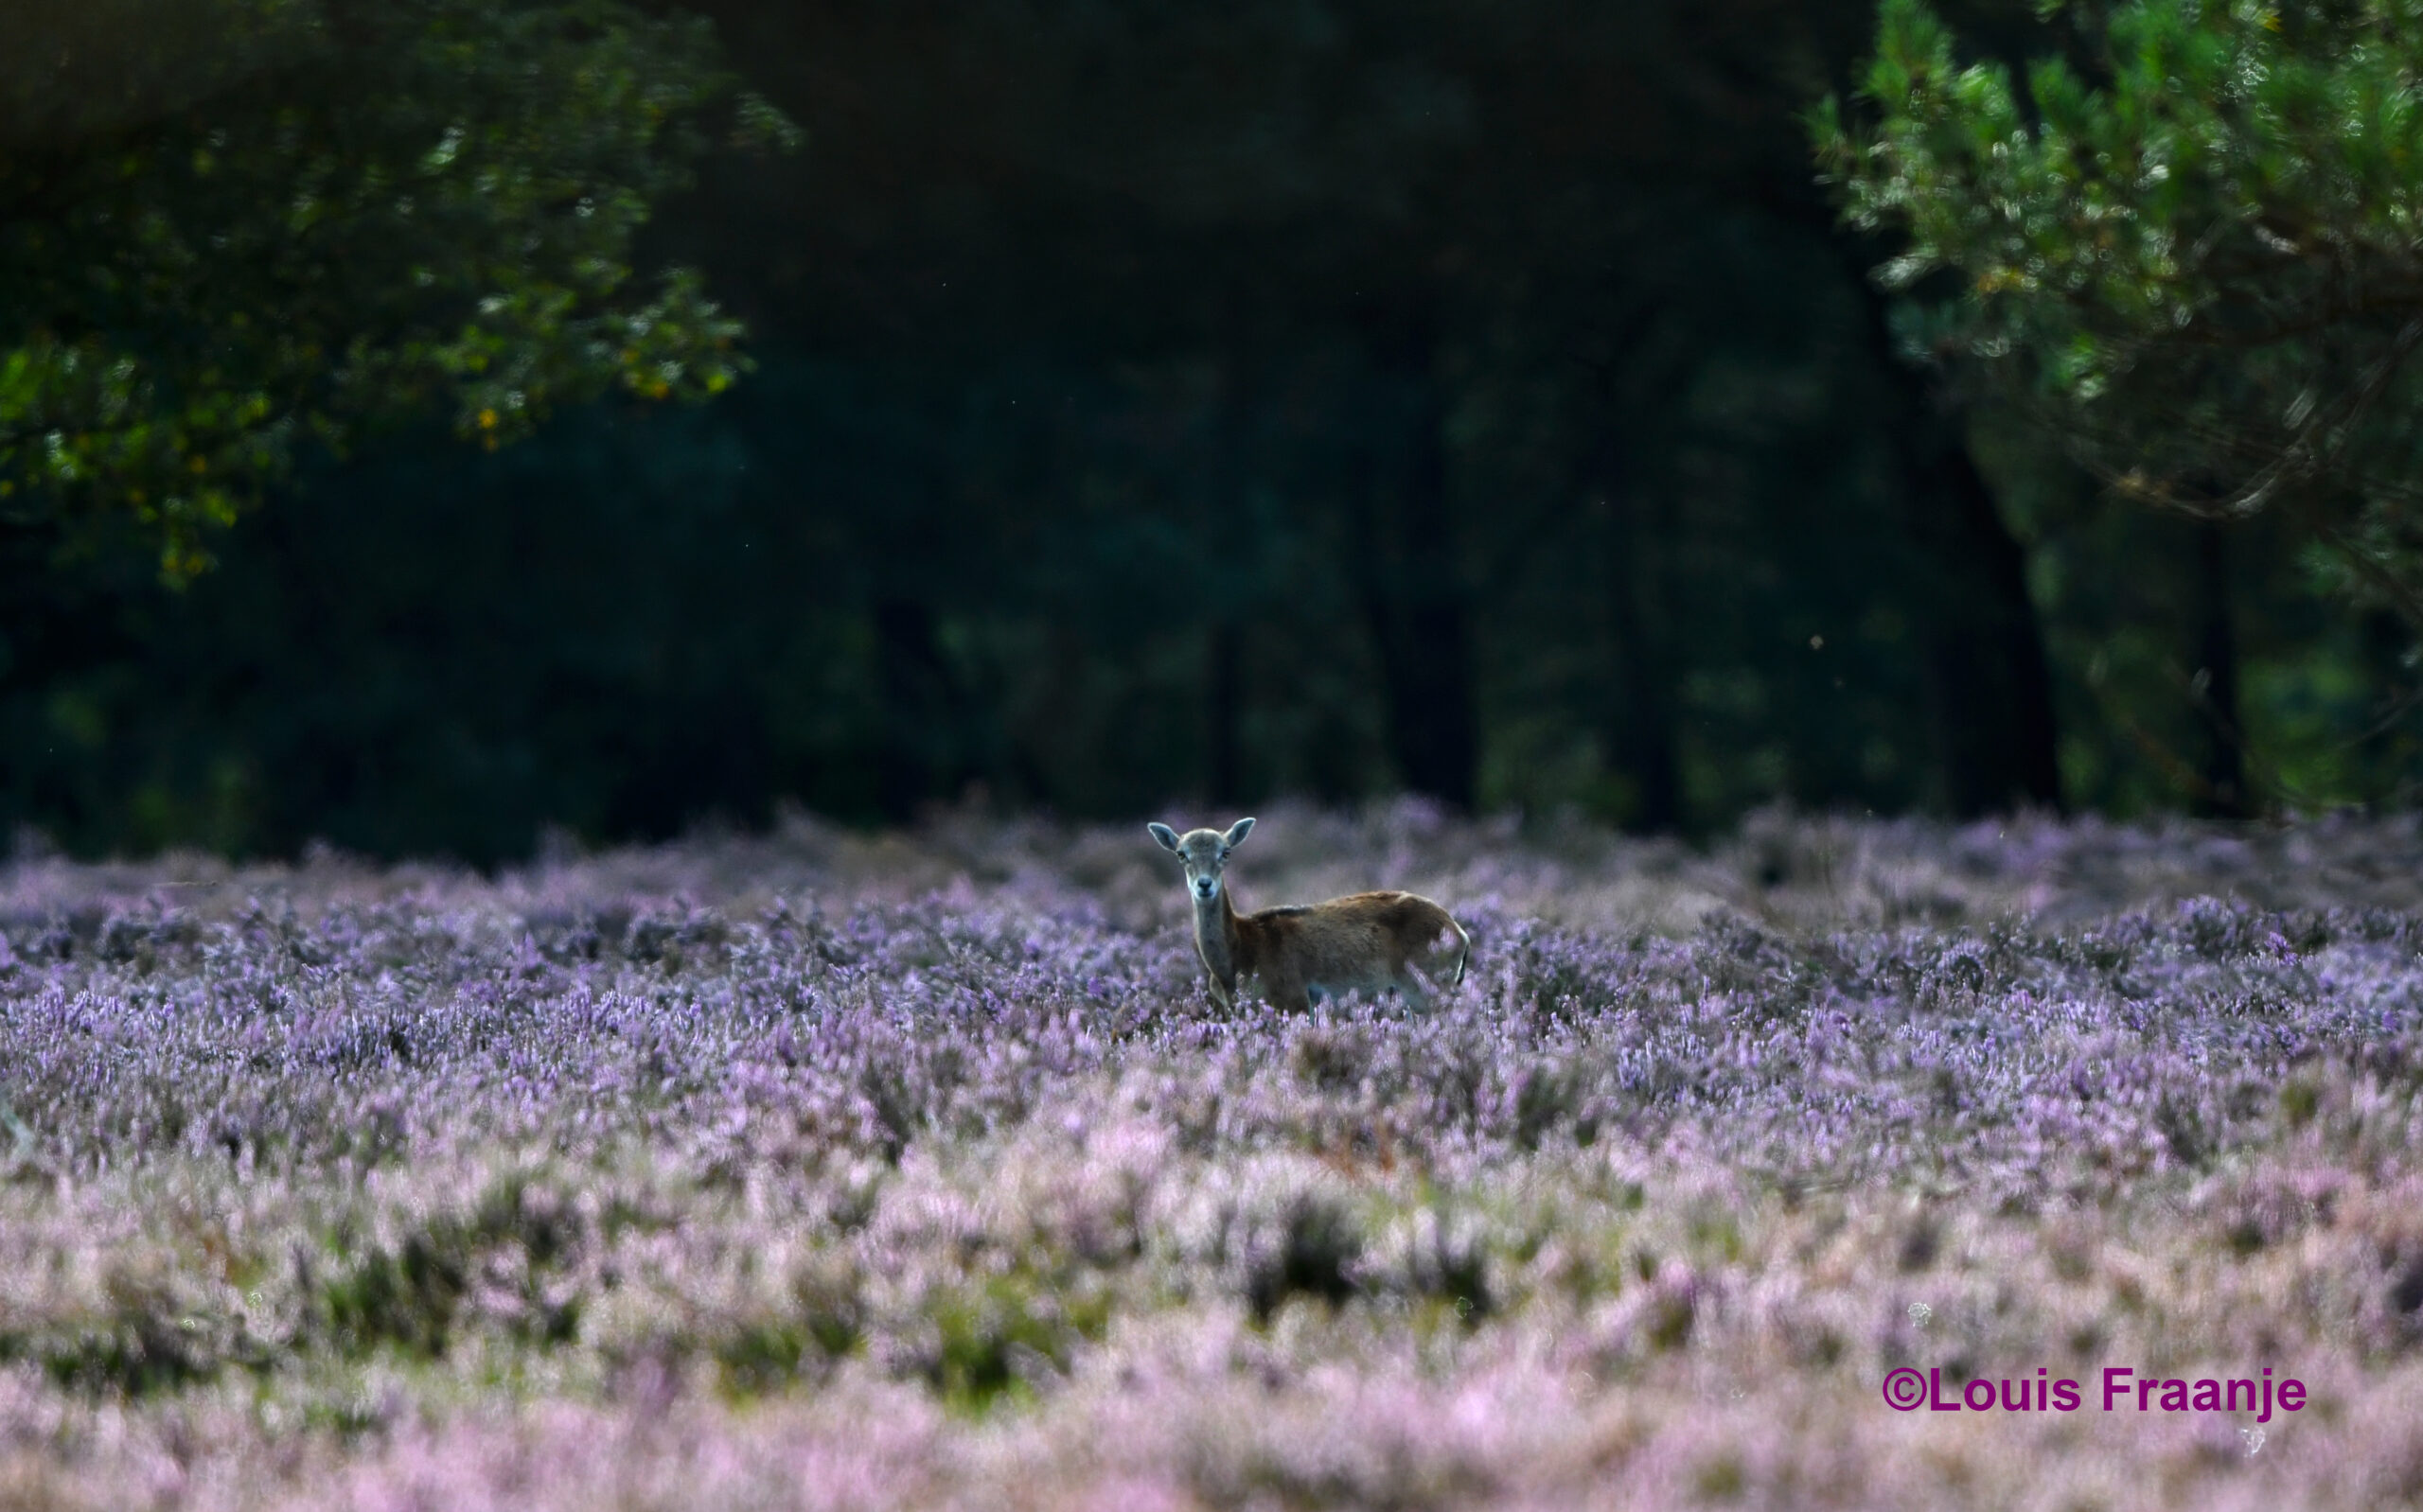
1204,854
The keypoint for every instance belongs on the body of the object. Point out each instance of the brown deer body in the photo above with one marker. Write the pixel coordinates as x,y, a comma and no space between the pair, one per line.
1365,941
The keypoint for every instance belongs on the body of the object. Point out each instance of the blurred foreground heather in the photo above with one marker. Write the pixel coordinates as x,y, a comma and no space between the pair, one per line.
816,1171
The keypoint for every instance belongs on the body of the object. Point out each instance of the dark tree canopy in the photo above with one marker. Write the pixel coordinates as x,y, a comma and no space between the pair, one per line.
298,219
1157,406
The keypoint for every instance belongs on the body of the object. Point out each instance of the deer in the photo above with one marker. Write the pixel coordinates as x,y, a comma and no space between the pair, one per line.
1365,941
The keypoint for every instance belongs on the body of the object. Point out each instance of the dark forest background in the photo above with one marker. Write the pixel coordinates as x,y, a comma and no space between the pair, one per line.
1163,407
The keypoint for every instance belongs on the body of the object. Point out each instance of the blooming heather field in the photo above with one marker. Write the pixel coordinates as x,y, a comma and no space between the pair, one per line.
819,1171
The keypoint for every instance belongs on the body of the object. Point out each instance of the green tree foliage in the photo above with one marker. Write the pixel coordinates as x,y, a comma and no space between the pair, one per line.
2195,249
294,219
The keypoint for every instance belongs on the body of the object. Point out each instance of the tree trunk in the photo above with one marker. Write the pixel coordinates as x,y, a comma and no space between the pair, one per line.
1988,685
919,756
1226,542
1989,690
1223,708
2215,685
1637,719
1411,579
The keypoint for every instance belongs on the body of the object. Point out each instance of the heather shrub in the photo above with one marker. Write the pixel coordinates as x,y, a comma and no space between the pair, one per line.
806,1170
798,1338
145,1337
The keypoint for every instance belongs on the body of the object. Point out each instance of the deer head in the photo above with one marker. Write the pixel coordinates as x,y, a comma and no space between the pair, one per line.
1205,852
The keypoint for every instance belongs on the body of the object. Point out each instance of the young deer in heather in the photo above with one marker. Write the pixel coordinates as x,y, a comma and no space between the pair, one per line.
1365,941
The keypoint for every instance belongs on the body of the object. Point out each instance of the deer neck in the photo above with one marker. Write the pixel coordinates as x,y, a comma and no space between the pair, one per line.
1215,933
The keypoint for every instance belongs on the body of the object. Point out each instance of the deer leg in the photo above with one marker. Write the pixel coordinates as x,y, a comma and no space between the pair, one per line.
1288,995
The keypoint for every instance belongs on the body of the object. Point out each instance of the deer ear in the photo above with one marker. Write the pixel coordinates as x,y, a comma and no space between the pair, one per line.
1237,833
1165,834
